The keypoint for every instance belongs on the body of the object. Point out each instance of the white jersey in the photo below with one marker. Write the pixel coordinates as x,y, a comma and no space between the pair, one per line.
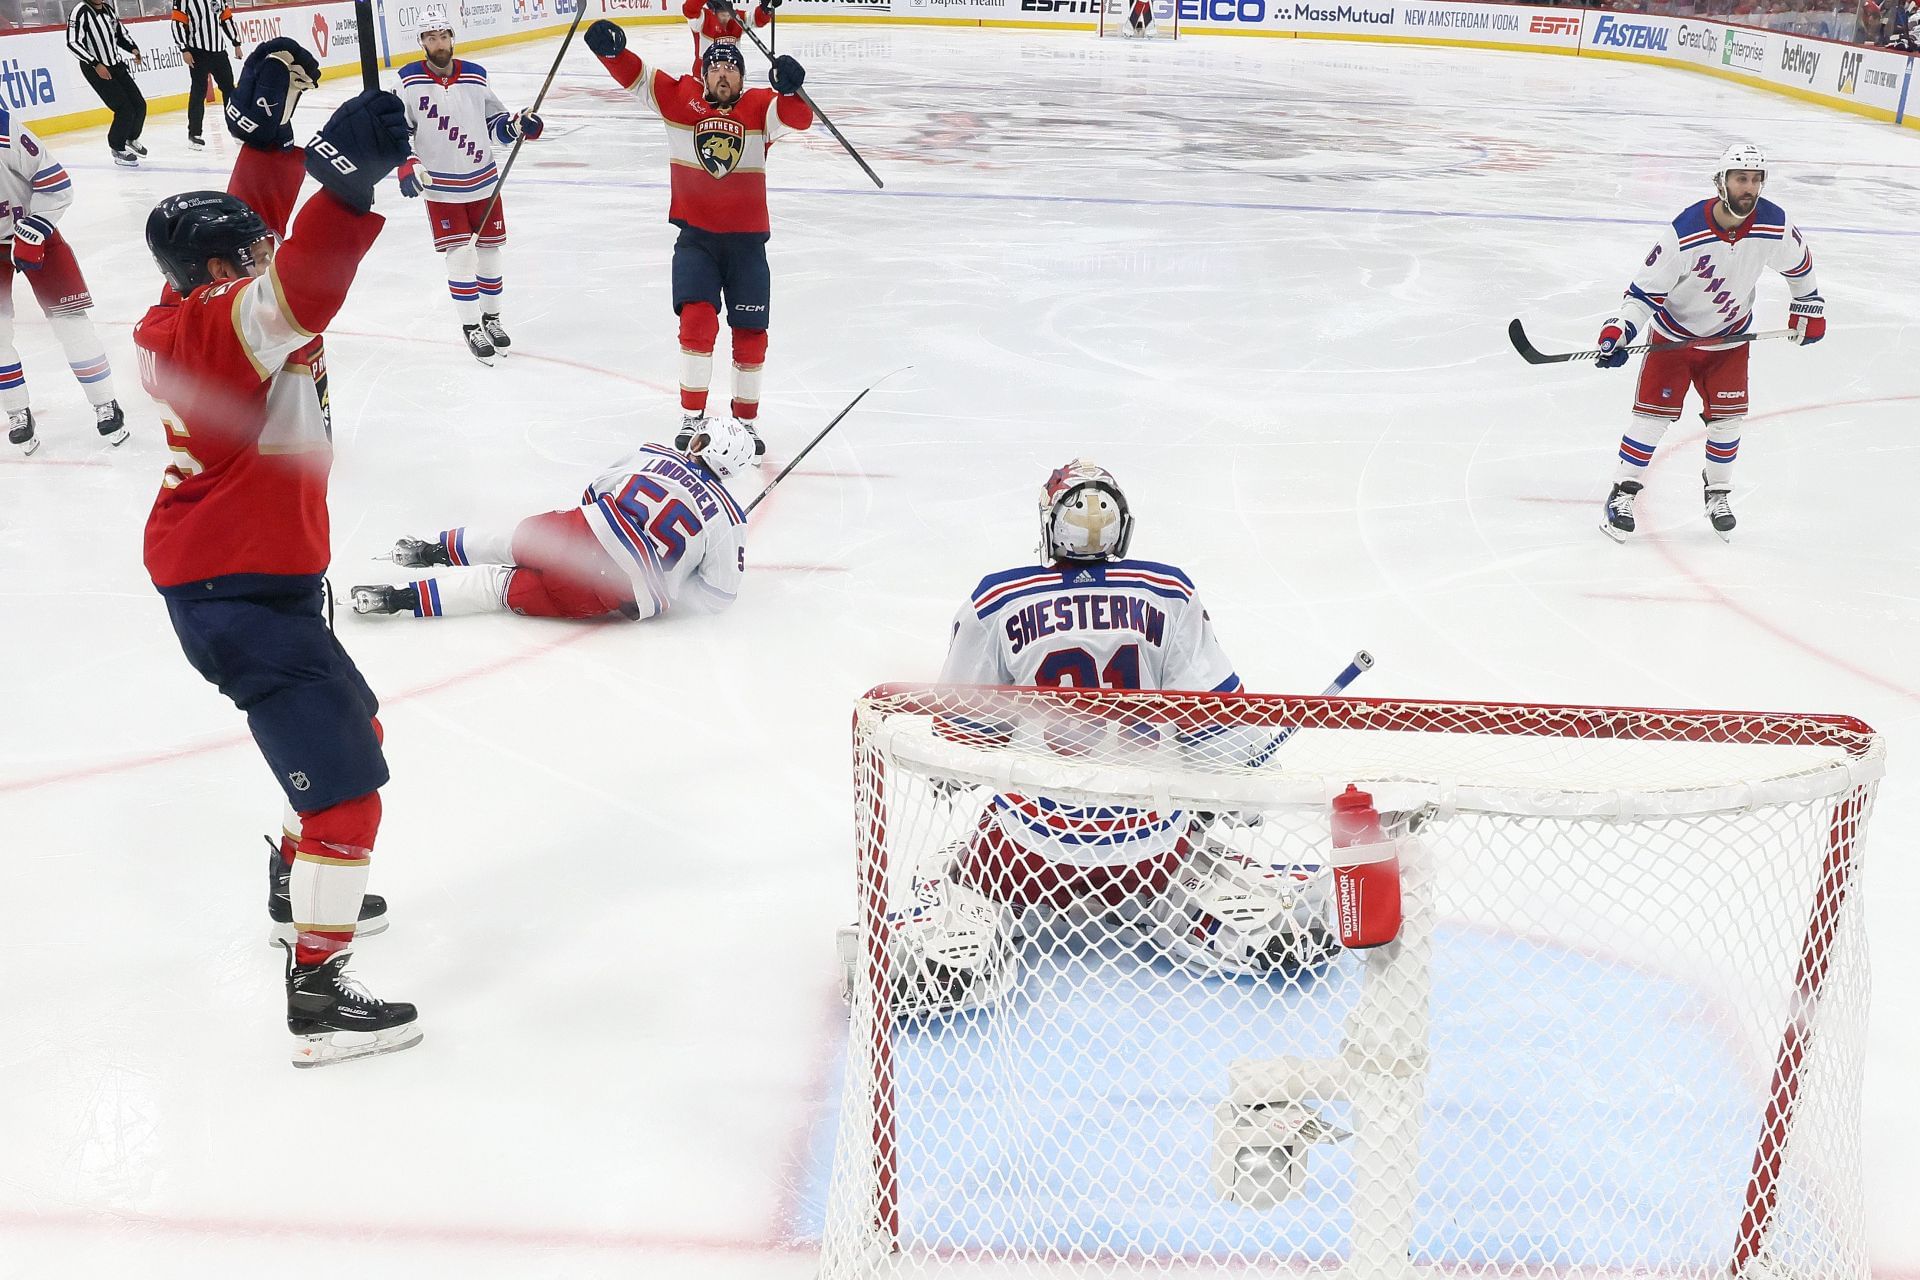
671,527
1700,281
455,121
1124,624
32,182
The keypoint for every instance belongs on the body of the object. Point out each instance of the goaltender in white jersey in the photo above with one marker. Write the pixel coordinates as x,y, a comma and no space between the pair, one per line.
1090,618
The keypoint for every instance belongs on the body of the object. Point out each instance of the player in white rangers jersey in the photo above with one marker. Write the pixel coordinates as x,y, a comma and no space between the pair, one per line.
656,531
456,120
1088,617
34,192
1699,282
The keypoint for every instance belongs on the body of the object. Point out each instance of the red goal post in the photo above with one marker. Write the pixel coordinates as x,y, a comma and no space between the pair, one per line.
1620,1032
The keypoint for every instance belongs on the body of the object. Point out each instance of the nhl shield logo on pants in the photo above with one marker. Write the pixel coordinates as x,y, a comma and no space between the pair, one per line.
299,780
719,142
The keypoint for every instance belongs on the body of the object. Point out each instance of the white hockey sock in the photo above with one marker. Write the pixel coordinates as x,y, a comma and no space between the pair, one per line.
86,355
326,887
484,590
478,545
488,277
1723,445
696,375
1637,446
463,282
13,379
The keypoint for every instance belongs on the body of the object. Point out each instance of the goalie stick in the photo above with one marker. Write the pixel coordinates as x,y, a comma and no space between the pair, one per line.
539,98
724,9
818,437
1362,661
1517,334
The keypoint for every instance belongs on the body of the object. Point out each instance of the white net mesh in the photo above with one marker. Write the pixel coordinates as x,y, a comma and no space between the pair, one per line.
1101,1023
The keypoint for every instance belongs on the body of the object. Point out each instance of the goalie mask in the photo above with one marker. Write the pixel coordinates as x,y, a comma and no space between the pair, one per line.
1083,515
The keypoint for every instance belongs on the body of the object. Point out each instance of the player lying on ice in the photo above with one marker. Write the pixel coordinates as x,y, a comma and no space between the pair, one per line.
1090,618
658,530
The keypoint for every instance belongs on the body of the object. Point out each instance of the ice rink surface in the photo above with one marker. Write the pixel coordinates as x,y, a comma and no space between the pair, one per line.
1264,281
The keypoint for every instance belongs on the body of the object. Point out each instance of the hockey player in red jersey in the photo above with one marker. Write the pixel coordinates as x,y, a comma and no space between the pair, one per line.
708,26
237,541
717,139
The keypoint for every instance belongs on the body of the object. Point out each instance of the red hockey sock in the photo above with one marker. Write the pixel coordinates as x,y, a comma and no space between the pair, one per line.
699,328
329,878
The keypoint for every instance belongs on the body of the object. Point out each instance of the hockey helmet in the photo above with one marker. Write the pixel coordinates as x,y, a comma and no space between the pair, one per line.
184,231
724,446
1737,157
433,17
1083,514
722,53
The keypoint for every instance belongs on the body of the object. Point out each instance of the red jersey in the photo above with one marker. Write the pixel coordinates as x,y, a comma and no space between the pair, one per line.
239,376
718,155
708,26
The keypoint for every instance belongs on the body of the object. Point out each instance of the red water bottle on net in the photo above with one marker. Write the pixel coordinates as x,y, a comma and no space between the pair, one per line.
1366,873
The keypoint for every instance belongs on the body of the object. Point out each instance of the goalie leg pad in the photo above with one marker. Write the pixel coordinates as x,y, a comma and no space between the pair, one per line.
952,950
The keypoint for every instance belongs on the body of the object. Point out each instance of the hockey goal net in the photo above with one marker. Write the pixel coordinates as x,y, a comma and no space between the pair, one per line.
1123,18
1618,1030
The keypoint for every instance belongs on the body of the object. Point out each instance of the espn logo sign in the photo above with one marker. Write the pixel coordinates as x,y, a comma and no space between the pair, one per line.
1554,25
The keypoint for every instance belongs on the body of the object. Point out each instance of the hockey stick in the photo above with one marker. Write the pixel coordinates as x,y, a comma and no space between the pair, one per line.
1517,334
369,53
821,435
724,9
1362,661
539,98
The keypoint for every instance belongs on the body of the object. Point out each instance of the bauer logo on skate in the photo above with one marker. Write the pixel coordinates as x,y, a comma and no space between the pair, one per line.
719,141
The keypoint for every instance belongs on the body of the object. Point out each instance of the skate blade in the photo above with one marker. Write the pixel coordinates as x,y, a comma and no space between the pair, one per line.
30,447
285,935
117,439
1618,535
326,1050
1725,535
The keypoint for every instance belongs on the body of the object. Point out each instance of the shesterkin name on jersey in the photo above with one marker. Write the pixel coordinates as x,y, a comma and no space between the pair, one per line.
1070,598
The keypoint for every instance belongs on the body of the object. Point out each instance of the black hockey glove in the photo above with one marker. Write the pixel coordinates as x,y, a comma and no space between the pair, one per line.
770,5
605,39
276,73
362,142
787,75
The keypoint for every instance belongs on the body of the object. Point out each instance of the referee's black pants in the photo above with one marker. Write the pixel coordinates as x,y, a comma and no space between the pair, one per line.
123,98
206,63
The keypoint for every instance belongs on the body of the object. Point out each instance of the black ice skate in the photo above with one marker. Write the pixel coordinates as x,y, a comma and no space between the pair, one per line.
1718,509
477,343
334,1019
137,149
385,599
1619,509
759,445
110,422
496,334
196,142
20,431
690,425
373,907
416,553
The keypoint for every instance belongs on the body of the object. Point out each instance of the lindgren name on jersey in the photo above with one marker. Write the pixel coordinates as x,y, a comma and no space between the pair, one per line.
1085,612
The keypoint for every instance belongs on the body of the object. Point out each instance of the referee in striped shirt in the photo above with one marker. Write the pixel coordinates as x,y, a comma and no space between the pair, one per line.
201,30
95,36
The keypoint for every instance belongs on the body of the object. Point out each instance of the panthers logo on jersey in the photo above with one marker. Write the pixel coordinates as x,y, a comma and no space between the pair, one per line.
720,141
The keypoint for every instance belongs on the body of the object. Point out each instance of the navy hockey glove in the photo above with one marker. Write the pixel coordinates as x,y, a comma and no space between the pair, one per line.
526,125
30,236
410,184
787,75
364,140
605,40
276,73
1615,336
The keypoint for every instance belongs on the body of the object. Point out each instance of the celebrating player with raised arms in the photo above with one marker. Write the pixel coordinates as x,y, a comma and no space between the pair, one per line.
657,531
34,191
237,541
456,120
717,141
1089,617
1699,282
709,26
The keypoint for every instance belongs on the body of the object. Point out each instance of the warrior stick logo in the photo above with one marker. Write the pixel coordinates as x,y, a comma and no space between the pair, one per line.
719,141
